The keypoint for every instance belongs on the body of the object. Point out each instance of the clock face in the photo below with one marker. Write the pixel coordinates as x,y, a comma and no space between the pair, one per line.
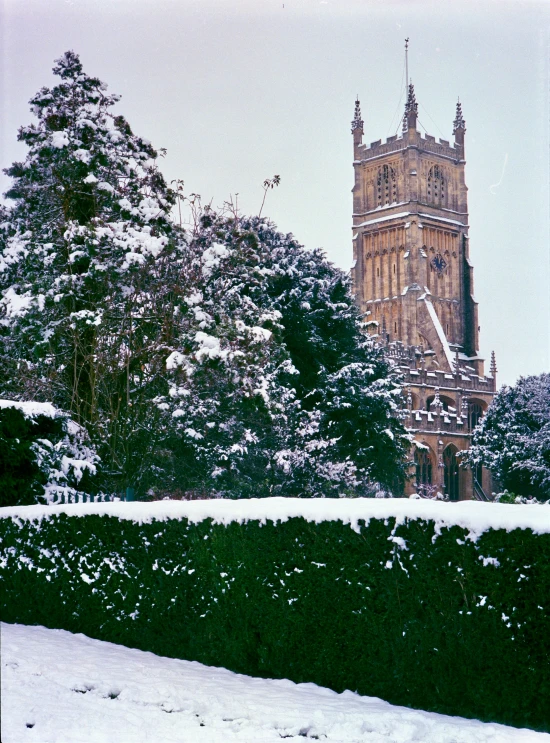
439,263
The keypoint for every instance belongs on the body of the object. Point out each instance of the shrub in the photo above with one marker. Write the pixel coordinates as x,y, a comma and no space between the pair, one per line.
43,455
419,611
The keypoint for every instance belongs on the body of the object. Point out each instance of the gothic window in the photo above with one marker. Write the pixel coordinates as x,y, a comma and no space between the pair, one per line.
475,413
423,464
436,186
451,472
386,186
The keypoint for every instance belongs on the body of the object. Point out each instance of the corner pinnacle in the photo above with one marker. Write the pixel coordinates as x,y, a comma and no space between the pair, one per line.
357,122
459,122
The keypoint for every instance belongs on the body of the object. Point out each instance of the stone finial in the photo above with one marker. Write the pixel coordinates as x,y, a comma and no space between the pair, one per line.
411,104
494,367
357,122
459,122
357,127
459,125
411,110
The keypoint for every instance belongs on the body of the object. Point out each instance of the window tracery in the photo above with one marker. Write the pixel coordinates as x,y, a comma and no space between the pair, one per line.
423,466
436,191
386,184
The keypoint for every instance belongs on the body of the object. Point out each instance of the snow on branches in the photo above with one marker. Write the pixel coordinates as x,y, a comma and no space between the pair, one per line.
226,359
513,438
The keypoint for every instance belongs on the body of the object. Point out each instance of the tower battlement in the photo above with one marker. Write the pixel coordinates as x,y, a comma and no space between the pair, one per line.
414,284
397,143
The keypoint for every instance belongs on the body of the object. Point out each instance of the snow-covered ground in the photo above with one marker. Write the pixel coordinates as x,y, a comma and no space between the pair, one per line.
63,688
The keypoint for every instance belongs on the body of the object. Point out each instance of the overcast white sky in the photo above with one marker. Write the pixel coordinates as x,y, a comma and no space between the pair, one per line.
240,90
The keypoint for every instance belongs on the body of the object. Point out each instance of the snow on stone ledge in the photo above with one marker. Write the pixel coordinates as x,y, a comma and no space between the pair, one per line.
31,409
472,515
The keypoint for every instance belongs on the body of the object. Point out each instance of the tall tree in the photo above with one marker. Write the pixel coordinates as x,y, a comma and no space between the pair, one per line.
84,253
513,438
226,359
274,385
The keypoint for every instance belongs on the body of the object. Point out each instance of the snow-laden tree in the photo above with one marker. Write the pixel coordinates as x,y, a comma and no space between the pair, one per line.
226,359
44,456
86,250
513,438
273,385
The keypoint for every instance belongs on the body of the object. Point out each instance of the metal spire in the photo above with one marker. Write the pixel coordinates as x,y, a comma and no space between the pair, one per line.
406,60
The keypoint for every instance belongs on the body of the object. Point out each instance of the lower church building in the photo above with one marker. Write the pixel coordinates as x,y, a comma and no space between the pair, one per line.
413,282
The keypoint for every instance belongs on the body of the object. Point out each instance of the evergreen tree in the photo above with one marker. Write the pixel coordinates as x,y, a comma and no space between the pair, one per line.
44,456
85,251
513,438
225,360
275,387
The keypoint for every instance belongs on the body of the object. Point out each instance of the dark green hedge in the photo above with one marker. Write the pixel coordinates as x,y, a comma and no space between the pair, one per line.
437,622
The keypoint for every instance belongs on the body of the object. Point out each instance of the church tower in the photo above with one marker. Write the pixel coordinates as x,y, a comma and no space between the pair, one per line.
413,281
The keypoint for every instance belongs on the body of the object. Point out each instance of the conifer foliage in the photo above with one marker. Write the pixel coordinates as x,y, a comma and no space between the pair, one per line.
81,255
220,360
275,388
513,438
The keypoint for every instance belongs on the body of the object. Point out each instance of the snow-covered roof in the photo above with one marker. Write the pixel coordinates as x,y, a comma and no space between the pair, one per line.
475,516
442,219
440,332
400,215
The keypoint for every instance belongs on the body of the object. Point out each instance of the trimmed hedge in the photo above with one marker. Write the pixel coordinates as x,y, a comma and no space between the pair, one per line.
415,614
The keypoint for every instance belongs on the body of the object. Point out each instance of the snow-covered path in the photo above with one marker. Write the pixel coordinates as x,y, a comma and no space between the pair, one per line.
63,688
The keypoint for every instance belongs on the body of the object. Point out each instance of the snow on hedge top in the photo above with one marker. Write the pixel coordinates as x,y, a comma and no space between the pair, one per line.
31,409
472,515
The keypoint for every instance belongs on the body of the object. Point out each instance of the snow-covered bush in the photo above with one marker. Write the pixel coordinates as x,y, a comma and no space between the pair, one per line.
44,456
507,497
513,438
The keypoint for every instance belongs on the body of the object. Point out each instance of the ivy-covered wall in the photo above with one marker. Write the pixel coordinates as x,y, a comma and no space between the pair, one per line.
415,613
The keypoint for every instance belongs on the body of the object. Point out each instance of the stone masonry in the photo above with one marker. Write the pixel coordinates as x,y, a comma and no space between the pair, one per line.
413,281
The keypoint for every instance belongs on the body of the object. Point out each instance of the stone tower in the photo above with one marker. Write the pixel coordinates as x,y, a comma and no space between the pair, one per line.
413,281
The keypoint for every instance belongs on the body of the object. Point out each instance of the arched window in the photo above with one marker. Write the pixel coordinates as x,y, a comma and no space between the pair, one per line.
475,413
446,403
436,186
452,476
386,184
423,464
